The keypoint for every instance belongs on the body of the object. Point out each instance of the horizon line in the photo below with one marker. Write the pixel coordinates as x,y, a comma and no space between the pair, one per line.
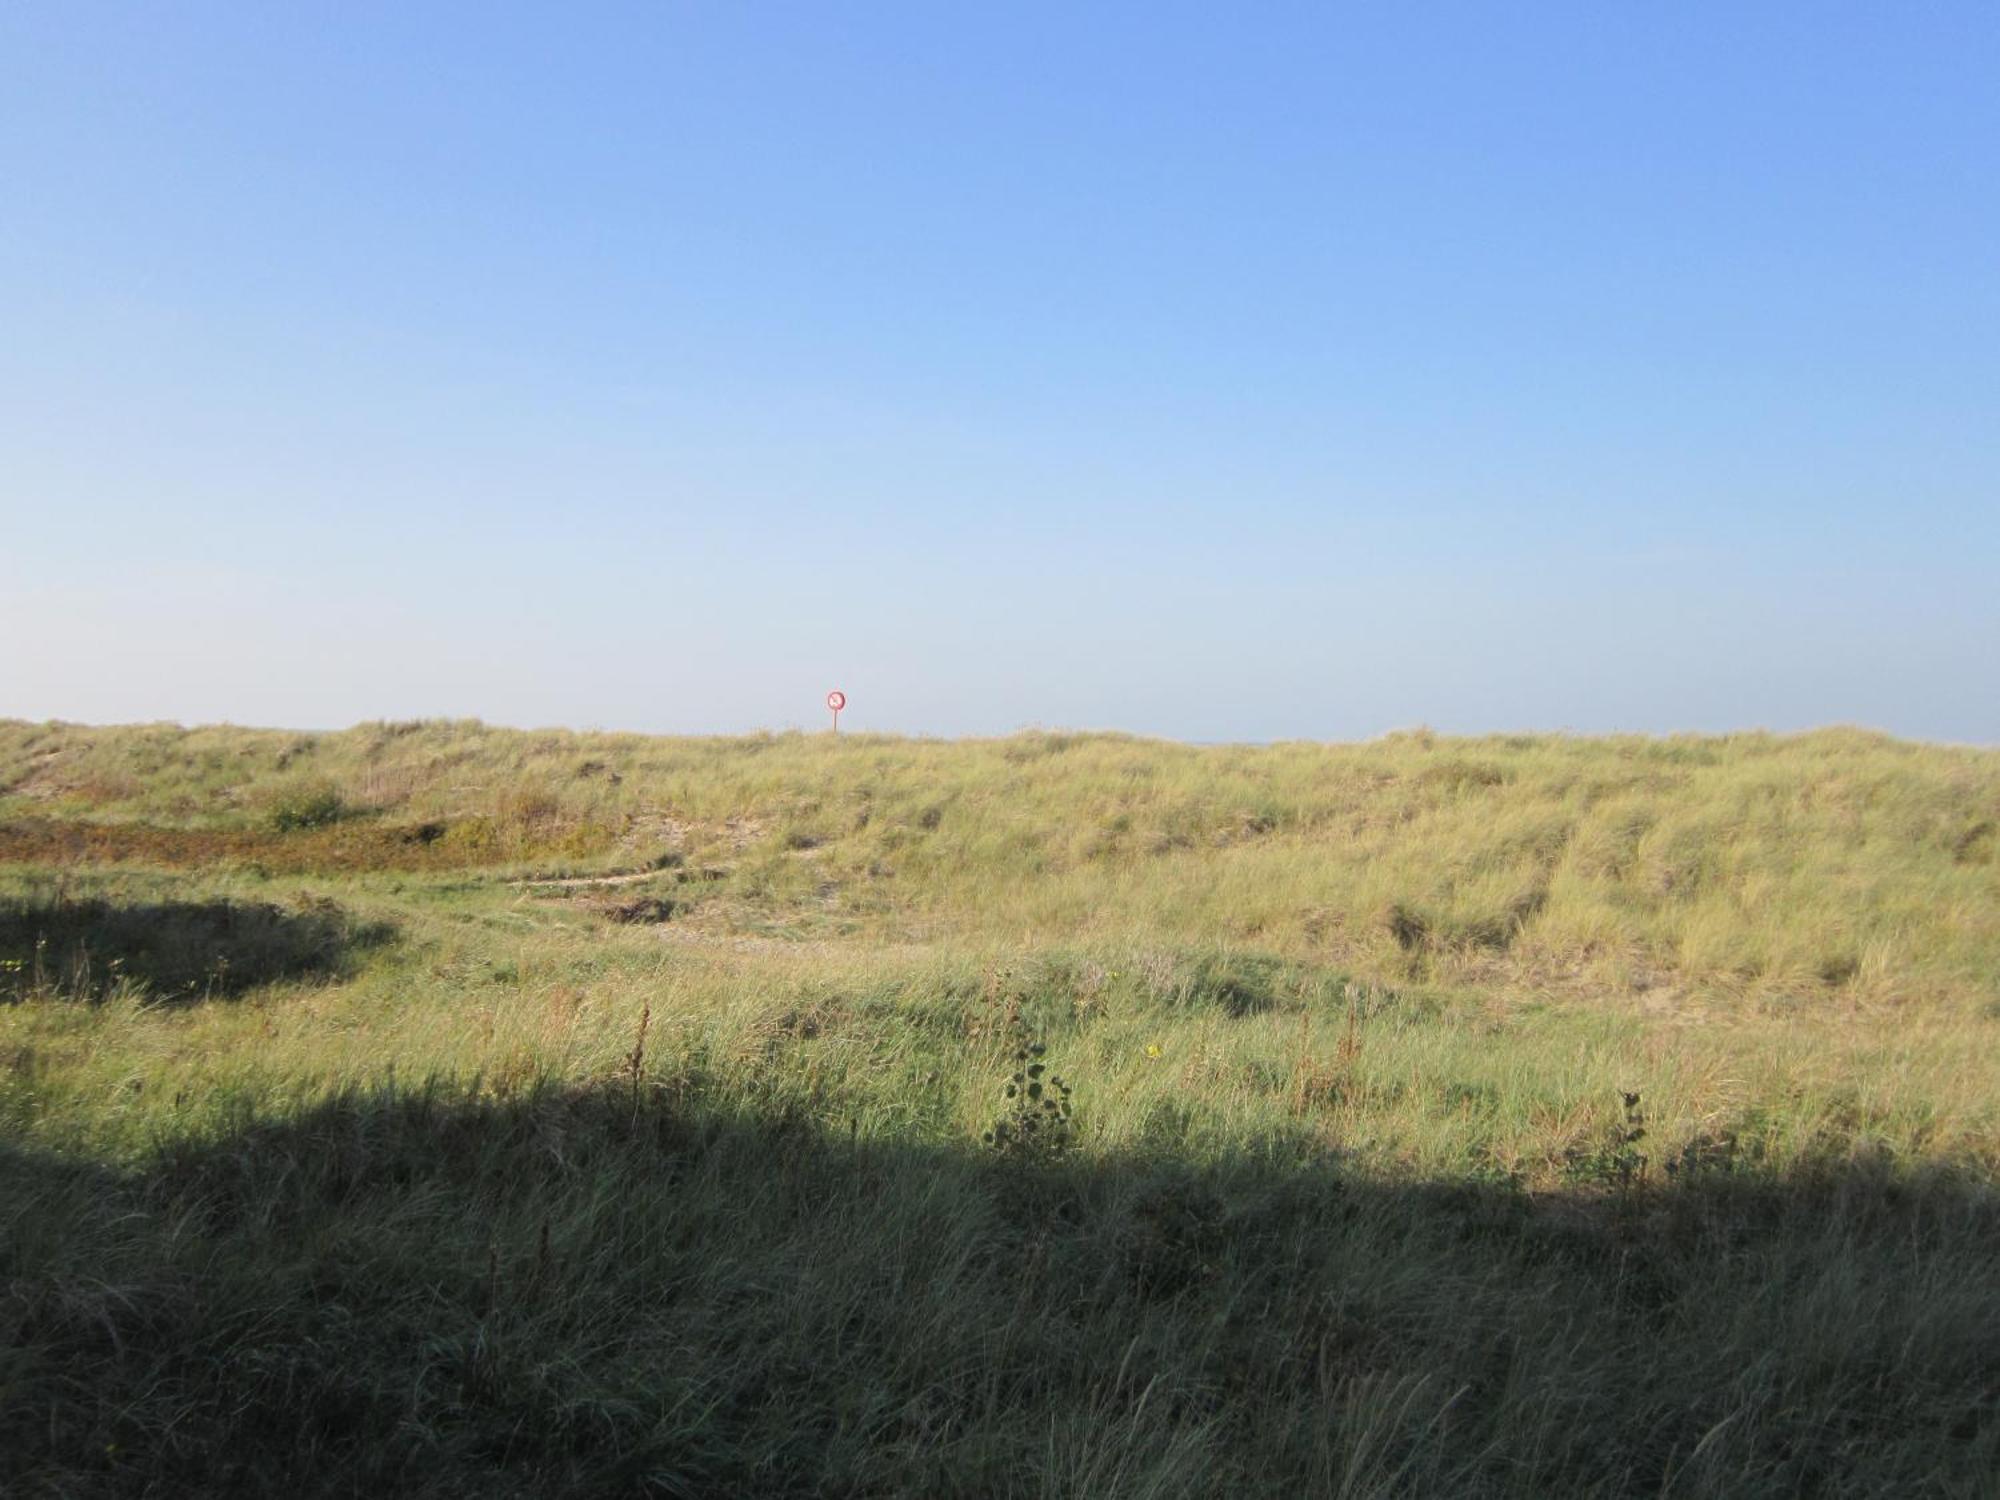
1401,732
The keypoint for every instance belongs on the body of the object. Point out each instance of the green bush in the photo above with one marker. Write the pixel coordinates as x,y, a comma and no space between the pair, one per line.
317,805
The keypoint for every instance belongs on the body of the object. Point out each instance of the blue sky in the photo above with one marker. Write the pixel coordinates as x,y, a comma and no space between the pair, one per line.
1223,372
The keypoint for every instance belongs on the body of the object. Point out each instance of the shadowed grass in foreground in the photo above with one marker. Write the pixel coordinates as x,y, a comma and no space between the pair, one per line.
647,1291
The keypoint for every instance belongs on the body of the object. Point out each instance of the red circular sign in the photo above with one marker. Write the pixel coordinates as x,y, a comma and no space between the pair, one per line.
836,700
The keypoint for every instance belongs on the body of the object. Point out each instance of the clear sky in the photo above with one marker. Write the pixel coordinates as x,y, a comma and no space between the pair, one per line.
1215,371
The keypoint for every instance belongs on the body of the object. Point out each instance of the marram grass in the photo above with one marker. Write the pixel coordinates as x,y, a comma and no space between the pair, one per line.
446,1110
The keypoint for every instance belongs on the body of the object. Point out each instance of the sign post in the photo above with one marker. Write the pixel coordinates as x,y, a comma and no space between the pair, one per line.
836,700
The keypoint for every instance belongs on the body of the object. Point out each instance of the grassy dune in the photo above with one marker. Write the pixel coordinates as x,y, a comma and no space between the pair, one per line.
440,1109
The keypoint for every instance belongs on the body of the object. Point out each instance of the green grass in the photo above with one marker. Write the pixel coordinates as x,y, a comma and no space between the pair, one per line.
440,1109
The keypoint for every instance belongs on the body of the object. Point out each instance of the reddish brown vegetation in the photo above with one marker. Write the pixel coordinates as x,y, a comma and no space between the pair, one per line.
342,847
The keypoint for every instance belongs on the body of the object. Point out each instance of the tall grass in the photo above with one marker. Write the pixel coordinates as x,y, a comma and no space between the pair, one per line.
1837,862
1498,1117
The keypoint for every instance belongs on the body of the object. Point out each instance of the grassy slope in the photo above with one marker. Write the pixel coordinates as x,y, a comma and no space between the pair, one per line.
348,1176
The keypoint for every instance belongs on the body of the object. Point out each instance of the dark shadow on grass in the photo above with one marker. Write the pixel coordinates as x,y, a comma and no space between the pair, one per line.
178,951
615,1291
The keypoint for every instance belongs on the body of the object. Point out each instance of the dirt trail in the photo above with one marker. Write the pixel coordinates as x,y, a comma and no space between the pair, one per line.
575,882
